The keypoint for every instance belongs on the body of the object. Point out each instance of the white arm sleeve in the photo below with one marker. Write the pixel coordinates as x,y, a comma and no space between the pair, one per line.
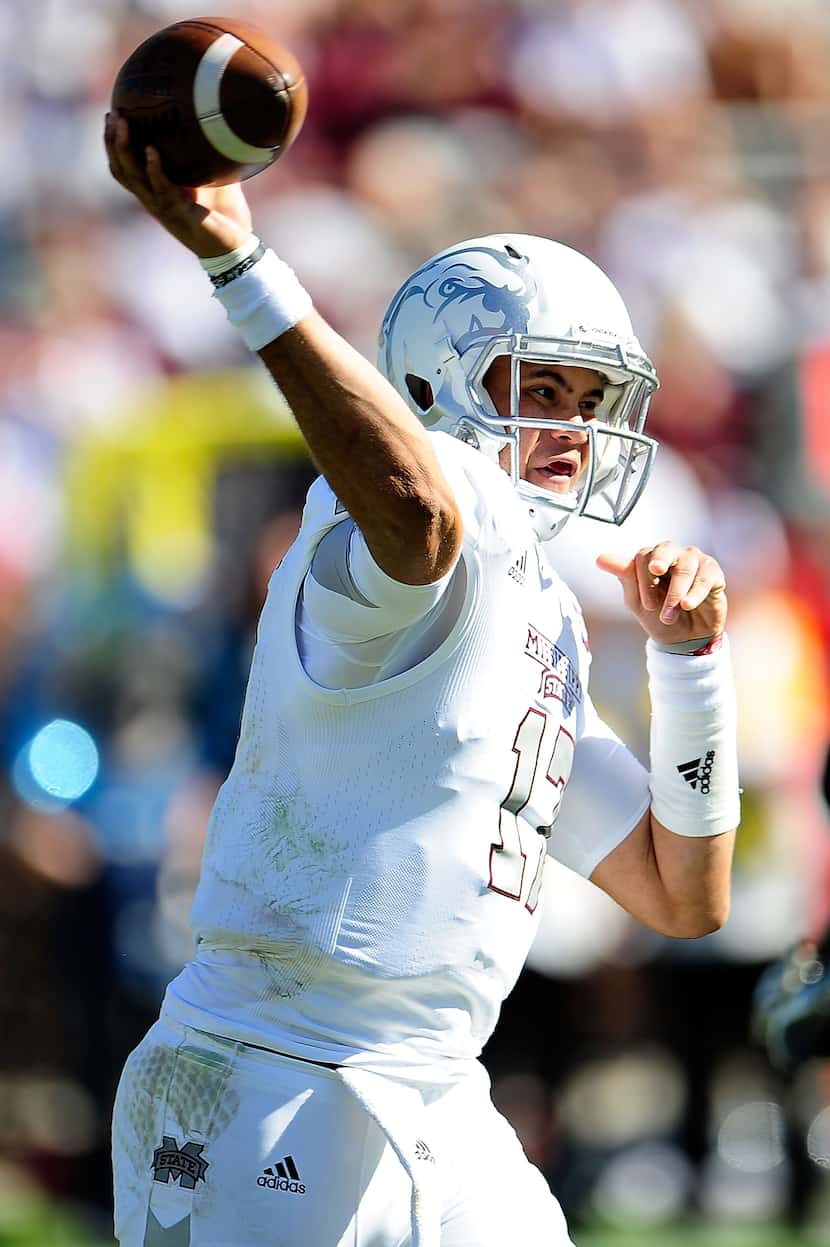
355,624
347,597
606,796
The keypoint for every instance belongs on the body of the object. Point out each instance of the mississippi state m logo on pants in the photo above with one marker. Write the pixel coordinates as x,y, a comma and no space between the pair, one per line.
183,1164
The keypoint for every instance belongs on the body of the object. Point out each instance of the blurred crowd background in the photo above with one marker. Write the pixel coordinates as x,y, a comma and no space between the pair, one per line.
150,478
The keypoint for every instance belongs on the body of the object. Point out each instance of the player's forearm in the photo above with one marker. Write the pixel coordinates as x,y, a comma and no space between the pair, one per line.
373,452
677,885
673,871
690,881
695,804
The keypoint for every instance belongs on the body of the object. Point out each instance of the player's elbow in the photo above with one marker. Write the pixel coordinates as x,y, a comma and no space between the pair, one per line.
428,537
702,916
445,535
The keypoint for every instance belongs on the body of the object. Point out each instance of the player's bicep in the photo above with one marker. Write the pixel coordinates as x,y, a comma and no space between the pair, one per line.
606,797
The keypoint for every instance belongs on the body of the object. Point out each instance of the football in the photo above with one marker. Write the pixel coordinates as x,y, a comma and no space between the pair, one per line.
220,100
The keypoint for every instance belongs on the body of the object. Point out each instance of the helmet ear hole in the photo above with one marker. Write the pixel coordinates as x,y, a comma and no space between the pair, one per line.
420,391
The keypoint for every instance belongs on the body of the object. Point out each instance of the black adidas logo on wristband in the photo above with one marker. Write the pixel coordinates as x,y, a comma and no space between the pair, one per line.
698,771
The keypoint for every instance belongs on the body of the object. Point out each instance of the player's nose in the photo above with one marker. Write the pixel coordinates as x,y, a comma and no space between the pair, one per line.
574,434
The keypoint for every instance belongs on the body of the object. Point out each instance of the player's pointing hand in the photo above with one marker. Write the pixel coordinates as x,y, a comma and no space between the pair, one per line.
677,593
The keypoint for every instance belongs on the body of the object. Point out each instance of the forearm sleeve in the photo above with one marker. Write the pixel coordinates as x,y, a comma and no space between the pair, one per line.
694,758
348,597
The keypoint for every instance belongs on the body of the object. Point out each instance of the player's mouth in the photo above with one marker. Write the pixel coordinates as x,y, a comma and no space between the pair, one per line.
564,467
557,474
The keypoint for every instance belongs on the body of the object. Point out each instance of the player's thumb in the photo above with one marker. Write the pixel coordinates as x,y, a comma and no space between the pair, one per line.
616,564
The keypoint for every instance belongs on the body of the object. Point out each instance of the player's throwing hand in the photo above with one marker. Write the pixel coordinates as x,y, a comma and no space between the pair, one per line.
677,593
208,220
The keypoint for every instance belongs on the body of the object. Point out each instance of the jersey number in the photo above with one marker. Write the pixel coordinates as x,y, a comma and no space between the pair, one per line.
543,764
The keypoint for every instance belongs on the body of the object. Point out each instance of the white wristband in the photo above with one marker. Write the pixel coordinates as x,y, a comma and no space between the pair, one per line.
265,301
216,265
694,756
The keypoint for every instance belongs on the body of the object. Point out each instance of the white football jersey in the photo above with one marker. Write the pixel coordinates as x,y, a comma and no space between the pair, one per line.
374,862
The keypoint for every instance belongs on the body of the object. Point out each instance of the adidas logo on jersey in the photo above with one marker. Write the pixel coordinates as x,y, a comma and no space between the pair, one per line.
283,1177
519,569
696,774
422,1151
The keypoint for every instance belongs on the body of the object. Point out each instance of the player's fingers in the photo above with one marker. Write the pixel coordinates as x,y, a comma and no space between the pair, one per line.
112,150
708,582
682,576
662,556
177,207
166,195
616,564
132,175
156,176
623,569
649,585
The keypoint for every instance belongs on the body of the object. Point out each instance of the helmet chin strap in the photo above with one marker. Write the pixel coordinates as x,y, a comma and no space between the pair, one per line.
547,516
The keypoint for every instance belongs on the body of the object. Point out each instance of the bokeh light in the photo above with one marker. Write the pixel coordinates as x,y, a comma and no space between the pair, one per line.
58,766
752,1137
818,1139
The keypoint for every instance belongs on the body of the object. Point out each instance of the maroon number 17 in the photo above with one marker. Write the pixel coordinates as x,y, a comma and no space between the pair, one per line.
544,756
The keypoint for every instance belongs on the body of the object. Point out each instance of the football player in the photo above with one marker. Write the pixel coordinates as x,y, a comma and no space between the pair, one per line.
417,736
791,1002
791,1006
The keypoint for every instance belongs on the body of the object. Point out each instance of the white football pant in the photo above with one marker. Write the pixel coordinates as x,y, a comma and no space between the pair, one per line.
218,1144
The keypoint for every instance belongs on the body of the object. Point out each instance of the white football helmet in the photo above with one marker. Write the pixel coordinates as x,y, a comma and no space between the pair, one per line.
535,300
